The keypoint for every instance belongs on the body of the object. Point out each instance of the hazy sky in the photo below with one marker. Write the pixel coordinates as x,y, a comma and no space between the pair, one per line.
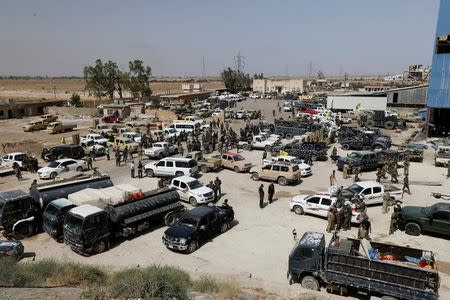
59,37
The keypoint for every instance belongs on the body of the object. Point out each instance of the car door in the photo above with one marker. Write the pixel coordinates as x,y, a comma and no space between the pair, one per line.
71,164
203,230
324,206
159,168
170,169
183,191
265,172
273,175
440,222
377,194
214,223
312,205
367,194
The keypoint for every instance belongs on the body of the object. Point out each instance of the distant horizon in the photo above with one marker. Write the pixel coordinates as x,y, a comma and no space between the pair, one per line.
190,39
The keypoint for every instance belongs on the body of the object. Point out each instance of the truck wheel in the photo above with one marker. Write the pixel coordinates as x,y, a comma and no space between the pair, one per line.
204,169
178,174
370,123
150,173
314,157
99,247
345,146
79,169
282,181
53,175
160,155
224,227
299,210
236,169
377,148
310,283
170,219
389,125
255,176
246,147
193,202
192,247
288,135
413,229
24,230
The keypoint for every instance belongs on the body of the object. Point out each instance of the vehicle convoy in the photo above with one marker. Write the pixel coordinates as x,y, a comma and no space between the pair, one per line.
61,165
442,156
363,268
366,160
319,204
172,166
206,164
34,125
56,210
21,213
59,127
258,142
197,226
372,192
89,229
281,172
305,169
132,136
289,129
235,162
432,219
102,129
160,150
192,191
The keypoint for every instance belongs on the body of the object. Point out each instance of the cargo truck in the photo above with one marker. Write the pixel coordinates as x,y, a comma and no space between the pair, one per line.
21,213
89,229
59,127
352,266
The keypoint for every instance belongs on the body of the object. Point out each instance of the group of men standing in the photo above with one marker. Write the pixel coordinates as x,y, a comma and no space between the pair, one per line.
270,193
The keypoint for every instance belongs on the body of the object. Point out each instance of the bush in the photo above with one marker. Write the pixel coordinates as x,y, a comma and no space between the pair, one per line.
10,274
206,284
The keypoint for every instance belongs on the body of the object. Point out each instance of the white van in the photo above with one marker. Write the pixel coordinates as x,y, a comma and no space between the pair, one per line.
191,190
187,127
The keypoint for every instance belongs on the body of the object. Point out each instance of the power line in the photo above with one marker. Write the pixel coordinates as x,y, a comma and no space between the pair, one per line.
239,62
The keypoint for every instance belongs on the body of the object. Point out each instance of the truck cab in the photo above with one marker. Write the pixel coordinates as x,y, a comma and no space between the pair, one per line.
307,259
18,213
53,217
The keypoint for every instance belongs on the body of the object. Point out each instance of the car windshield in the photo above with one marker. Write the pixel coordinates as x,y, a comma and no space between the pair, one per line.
355,189
189,222
171,130
238,158
194,184
51,212
296,161
90,143
54,164
73,224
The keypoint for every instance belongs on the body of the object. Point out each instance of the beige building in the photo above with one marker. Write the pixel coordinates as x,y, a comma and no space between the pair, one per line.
278,85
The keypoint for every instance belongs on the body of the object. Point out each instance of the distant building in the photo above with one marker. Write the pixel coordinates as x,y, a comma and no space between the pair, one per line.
11,108
396,77
411,96
439,90
356,102
376,88
278,86
192,87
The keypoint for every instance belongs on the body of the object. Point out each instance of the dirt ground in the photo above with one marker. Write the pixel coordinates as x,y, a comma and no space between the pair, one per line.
255,251
63,88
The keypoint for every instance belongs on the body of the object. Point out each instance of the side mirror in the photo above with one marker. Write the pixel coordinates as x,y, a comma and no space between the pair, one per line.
203,227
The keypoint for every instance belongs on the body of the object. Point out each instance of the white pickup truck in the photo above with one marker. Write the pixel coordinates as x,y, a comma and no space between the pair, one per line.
258,142
97,138
160,150
372,192
134,136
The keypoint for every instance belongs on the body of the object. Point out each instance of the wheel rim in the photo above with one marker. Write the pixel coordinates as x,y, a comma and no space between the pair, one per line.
150,173
53,175
236,169
193,202
100,247
298,210
255,176
282,181
192,247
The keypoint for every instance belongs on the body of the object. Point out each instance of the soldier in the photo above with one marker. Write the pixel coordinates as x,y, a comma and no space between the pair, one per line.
347,216
180,149
189,146
139,168
333,178
339,197
220,148
384,170
89,162
218,184
261,196
379,174
386,200
264,155
339,219
125,154
33,184
132,169
396,218
448,169
160,183
345,170
406,167
117,158
271,192
356,171
334,152
108,152
406,184
394,173
331,218
364,229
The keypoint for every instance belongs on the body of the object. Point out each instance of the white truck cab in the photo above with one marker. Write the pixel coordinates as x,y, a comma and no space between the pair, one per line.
191,190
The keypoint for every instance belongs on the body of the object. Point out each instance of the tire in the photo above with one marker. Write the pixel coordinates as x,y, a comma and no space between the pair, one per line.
412,229
170,219
345,146
53,175
282,181
24,230
79,169
314,157
192,247
236,169
288,135
99,247
310,283
224,227
389,125
160,155
178,174
204,169
150,173
246,147
255,176
299,210
193,202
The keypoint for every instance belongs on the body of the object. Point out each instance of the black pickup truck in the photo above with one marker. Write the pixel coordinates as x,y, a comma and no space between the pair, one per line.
197,226
367,160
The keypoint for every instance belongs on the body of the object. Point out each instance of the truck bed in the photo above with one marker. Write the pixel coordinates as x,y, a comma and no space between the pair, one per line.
400,279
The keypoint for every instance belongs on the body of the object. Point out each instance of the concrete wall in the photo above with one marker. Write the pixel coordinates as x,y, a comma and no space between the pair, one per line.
356,103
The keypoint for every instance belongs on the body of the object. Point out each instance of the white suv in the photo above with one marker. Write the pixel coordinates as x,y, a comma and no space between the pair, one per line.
172,166
191,190
15,158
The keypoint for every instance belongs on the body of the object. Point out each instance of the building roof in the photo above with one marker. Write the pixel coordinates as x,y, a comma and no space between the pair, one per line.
85,210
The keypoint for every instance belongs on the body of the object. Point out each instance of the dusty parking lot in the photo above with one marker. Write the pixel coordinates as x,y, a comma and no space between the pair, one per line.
258,246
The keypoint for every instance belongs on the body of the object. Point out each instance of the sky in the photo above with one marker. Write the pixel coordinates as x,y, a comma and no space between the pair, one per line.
59,37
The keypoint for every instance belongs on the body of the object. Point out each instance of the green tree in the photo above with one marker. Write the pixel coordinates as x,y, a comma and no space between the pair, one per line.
139,76
95,79
235,81
75,100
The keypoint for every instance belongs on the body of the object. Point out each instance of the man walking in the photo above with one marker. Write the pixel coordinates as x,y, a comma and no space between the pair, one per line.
218,184
140,167
261,196
125,154
406,184
89,162
331,218
270,192
117,158
379,175
333,178
345,170
132,169
395,219
108,152
406,167
356,171
386,199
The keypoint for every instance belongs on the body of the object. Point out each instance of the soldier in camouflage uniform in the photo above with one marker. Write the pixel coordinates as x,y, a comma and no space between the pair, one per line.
396,219
356,171
386,200
379,174
406,167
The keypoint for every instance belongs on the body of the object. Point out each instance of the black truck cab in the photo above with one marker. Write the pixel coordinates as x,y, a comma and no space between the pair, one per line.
53,217
17,211
306,258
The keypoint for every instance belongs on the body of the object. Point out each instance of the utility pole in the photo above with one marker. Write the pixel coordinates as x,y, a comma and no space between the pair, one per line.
203,68
310,70
239,62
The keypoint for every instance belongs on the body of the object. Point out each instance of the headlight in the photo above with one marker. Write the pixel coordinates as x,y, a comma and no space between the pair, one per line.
183,241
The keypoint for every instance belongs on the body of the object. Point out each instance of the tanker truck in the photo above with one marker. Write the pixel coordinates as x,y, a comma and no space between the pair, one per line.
21,213
89,229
